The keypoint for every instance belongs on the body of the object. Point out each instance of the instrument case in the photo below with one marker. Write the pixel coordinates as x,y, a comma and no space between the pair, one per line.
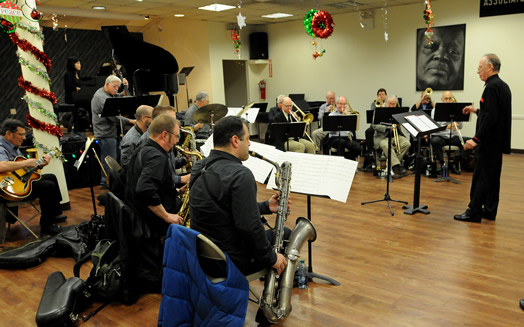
61,300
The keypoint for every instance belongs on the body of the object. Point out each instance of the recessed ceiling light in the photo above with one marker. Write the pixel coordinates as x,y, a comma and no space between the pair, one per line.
216,7
277,15
179,15
99,7
139,0
146,17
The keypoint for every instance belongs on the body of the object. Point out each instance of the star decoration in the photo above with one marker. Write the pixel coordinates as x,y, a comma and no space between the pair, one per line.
241,20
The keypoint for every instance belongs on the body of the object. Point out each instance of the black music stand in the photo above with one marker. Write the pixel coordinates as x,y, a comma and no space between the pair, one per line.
85,157
283,131
419,128
450,112
186,71
127,105
384,117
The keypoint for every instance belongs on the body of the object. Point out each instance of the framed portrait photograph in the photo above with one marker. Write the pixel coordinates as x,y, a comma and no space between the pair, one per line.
440,64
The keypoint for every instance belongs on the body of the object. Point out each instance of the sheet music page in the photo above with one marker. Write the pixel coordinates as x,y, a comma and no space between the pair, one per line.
410,129
419,122
260,168
319,175
206,148
251,113
80,160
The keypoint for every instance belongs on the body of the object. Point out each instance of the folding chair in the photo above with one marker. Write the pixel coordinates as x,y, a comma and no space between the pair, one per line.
5,209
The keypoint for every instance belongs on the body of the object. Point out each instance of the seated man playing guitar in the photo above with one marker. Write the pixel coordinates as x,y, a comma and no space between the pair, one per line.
45,188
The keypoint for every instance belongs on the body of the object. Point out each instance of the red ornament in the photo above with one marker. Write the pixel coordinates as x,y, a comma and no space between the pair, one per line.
323,24
6,26
36,15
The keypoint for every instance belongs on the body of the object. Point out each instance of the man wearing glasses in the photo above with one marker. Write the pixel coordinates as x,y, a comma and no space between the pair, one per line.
152,194
492,139
46,189
105,129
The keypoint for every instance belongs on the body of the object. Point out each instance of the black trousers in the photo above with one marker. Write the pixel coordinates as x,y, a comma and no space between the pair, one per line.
341,144
47,190
437,142
485,186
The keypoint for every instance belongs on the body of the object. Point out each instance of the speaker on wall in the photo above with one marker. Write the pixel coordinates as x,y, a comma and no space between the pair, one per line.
258,46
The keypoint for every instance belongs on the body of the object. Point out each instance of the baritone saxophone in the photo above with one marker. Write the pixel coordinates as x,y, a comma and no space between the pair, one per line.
276,298
184,208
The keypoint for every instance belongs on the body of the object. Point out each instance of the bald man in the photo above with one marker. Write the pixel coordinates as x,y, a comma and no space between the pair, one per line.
132,138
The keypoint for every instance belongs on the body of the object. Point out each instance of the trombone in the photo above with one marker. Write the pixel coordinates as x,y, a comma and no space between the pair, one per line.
394,129
307,118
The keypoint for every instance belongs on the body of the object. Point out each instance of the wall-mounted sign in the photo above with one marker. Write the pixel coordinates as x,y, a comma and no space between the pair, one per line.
500,7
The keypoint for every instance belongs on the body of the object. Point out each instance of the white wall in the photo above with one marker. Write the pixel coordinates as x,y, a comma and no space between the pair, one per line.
357,62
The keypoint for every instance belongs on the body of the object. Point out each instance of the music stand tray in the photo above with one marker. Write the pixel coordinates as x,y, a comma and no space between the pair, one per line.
128,105
451,112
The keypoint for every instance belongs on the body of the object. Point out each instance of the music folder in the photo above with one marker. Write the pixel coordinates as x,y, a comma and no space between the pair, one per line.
128,105
383,114
281,131
445,111
340,123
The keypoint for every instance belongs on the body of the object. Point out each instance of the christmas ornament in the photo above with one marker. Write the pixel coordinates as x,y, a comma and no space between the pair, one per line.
10,15
322,24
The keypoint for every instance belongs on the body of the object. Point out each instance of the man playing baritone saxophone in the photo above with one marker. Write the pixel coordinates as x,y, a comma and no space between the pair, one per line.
223,201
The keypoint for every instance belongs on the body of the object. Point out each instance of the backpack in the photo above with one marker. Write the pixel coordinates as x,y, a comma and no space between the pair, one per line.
105,280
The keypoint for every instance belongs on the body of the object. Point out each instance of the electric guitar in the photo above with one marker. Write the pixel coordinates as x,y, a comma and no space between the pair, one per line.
16,185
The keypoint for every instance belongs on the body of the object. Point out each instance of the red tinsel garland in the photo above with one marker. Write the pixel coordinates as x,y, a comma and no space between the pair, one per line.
49,128
26,46
26,85
322,24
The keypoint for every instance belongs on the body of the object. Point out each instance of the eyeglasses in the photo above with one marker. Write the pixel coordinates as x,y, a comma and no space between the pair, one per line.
175,135
115,85
288,105
479,68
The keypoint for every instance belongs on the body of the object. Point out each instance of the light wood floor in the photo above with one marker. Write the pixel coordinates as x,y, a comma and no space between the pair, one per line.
401,270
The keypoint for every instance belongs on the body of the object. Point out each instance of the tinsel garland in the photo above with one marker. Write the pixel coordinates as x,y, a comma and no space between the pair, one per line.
49,128
47,150
35,69
28,47
32,30
26,85
38,106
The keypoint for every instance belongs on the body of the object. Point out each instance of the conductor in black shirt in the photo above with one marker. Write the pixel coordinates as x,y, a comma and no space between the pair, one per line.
492,139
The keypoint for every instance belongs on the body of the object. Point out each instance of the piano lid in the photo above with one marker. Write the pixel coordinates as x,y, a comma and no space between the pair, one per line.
147,61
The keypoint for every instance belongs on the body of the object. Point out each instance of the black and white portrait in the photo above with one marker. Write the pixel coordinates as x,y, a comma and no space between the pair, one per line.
440,65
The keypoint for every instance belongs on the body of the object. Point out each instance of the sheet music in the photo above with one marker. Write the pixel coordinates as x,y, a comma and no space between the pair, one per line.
410,129
207,146
252,113
260,168
422,122
319,175
80,160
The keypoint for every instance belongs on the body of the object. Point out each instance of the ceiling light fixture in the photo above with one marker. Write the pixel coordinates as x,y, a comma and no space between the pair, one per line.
277,15
179,15
216,7
99,8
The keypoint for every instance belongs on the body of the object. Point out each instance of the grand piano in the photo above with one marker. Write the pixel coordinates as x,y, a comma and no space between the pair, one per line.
149,67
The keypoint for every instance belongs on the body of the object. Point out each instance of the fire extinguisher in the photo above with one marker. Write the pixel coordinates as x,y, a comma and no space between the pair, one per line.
262,87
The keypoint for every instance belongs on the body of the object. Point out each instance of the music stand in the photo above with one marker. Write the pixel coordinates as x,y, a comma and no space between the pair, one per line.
384,117
450,112
186,71
85,157
418,124
127,105
283,131
339,123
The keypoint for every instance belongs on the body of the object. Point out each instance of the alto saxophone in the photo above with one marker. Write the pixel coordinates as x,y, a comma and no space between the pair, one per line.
184,208
276,298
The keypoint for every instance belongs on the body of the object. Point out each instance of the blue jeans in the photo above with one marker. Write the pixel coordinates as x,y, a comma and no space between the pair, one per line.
108,147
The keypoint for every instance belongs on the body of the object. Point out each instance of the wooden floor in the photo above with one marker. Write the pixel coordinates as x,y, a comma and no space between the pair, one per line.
401,270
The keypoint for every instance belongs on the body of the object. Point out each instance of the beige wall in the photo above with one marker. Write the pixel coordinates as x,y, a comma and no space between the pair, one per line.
357,62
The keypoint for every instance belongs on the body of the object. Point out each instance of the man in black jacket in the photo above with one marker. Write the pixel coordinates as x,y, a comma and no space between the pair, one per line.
492,139
223,201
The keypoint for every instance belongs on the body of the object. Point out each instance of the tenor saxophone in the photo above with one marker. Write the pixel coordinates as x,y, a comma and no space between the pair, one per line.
276,298
184,208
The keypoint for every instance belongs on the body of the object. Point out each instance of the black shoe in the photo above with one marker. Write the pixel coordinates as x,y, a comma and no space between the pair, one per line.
399,171
50,230
103,186
522,304
60,219
466,216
